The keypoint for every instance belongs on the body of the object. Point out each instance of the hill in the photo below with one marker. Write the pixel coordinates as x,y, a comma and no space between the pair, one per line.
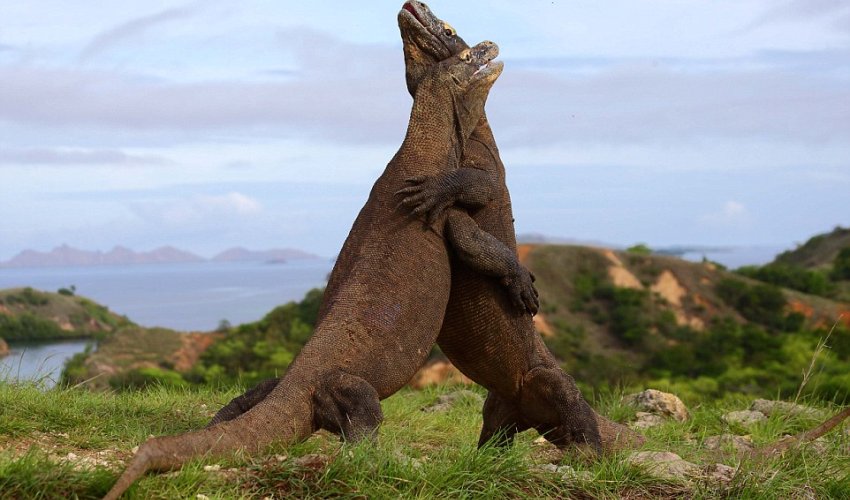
691,326
69,256
28,314
239,254
134,357
819,251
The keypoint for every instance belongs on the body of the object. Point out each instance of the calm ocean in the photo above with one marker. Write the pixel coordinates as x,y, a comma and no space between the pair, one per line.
188,297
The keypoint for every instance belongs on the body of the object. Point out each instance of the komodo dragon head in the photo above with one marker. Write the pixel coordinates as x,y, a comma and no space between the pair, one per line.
426,40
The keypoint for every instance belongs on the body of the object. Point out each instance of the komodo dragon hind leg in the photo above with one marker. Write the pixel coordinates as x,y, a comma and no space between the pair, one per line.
347,405
501,422
552,403
239,405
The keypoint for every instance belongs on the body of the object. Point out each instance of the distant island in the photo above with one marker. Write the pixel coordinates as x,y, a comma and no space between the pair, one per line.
67,256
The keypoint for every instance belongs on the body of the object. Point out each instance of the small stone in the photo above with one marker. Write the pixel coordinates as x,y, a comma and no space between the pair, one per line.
200,496
280,458
744,418
646,420
446,401
312,461
659,403
134,449
212,468
541,441
769,408
737,443
665,465
720,473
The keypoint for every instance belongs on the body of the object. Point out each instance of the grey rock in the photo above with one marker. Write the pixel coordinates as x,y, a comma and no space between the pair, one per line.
727,441
659,403
665,465
744,418
769,408
646,420
446,401
719,473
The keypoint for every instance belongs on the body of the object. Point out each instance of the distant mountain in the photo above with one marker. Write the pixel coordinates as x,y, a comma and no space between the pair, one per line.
66,256
540,238
239,254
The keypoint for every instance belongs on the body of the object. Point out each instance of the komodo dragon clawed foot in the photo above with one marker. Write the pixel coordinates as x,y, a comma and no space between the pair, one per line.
549,402
347,405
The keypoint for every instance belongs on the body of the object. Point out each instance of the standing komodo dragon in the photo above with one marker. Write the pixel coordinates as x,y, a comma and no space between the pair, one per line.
490,341
486,340
393,279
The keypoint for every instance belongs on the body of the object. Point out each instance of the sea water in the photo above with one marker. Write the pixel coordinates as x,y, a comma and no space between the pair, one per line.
185,297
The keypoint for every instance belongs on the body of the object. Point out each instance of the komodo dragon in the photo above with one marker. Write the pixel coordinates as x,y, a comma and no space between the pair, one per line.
394,281
487,341
495,348
490,341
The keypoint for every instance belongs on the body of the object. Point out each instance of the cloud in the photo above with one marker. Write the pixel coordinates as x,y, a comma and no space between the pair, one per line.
52,156
200,211
335,95
130,29
836,11
732,214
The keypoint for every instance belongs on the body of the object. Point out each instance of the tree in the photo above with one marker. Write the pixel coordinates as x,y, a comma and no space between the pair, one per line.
841,265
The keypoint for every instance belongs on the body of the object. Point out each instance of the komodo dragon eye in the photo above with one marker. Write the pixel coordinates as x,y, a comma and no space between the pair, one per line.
448,30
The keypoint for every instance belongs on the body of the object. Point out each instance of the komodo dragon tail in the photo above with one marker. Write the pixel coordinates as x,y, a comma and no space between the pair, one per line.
285,416
801,438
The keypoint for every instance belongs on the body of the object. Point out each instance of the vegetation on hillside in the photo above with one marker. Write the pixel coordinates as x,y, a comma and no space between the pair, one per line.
727,335
28,314
50,449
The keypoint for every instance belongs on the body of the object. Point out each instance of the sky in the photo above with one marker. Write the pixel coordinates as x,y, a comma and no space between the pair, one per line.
212,124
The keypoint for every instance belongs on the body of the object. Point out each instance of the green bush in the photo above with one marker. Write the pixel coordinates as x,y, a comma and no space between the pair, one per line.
790,276
841,265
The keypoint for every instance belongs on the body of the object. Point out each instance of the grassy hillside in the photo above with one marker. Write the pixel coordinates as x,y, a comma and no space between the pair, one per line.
134,357
819,251
50,449
625,318
28,314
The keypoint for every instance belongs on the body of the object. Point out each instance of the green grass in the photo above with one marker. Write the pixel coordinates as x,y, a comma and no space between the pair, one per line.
417,455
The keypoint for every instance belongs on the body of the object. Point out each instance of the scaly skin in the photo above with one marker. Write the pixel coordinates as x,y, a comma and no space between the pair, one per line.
483,339
481,334
391,285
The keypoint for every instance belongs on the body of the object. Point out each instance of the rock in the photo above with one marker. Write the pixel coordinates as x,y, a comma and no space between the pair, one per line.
744,418
665,465
439,372
446,401
725,441
720,473
659,403
566,472
312,461
769,408
646,420
212,468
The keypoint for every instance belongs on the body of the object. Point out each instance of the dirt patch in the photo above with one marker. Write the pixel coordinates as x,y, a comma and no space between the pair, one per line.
619,275
801,308
194,344
523,251
438,373
668,287
542,326
4,348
